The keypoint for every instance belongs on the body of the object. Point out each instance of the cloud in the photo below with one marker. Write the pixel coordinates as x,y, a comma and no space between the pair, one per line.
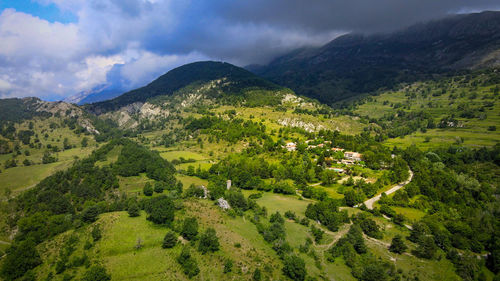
133,41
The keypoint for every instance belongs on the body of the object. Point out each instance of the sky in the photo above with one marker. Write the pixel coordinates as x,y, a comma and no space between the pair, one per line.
54,49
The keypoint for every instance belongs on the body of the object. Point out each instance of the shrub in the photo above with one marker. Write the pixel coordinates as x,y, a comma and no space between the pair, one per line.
21,257
90,214
398,245
189,265
228,266
294,267
96,233
170,240
160,210
96,273
189,228
147,190
208,241
133,209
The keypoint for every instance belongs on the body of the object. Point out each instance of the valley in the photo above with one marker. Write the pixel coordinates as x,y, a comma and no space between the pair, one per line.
211,172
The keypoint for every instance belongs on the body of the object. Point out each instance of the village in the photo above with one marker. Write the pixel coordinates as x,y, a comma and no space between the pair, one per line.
339,156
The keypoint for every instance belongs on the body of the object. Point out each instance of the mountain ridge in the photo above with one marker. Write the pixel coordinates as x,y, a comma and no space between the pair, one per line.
180,77
355,63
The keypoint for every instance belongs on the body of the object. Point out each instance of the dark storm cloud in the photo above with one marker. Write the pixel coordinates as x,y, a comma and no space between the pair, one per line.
137,40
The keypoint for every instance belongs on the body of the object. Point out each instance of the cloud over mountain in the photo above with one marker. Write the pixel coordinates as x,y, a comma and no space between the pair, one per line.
139,39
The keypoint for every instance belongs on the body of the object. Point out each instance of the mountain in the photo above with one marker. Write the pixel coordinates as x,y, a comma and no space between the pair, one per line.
100,93
18,110
237,80
359,63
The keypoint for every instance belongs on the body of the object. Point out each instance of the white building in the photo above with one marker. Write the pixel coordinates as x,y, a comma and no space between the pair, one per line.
349,155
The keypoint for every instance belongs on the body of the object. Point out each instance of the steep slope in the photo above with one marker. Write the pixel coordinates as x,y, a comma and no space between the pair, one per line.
198,72
16,110
357,63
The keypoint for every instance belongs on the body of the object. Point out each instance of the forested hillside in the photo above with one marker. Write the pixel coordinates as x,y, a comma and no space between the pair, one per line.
354,64
230,177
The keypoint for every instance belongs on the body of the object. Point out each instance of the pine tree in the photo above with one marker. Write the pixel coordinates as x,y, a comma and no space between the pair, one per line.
170,240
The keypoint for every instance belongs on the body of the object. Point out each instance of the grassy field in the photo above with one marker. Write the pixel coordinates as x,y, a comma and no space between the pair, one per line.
474,131
281,203
23,177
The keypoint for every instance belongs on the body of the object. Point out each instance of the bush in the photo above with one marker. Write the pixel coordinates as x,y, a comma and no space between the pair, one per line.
96,233
96,273
398,245
256,275
160,210
228,266
21,257
189,265
208,241
317,233
159,187
170,240
189,228
147,190
90,214
294,267
133,209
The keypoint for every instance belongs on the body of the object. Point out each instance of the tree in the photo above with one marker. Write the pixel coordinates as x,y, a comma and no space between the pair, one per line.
189,265
96,233
208,241
374,272
294,267
328,177
189,228
317,233
96,273
147,190
426,247
398,245
159,187
133,209
170,240
21,257
160,210
85,142
90,214
66,144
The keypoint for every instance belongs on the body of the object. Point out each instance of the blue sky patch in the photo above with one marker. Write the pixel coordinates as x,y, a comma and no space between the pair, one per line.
48,12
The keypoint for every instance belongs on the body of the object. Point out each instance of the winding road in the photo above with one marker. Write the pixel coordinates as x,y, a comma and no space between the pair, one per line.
370,202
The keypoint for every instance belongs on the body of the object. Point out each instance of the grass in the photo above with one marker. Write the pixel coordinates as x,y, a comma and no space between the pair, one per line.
281,203
187,180
134,184
474,131
16,178
171,155
409,213
426,270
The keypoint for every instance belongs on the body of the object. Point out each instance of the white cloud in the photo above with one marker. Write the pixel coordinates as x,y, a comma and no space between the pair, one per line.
142,39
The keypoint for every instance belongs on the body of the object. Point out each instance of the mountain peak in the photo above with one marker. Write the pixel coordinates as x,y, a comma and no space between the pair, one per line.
180,77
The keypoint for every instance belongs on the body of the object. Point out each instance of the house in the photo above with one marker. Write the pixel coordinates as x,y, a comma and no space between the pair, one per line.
291,146
349,155
337,149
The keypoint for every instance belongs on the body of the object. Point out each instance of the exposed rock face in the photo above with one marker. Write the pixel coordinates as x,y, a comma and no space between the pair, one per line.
63,109
129,116
223,204
293,122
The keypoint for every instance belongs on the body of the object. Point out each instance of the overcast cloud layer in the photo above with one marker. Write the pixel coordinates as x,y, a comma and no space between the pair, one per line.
131,42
